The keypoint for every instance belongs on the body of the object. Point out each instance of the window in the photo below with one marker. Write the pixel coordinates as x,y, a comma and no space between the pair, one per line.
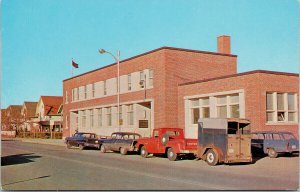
120,116
66,96
99,117
281,107
104,88
93,90
195,110
142,79
129,82
130,114
228,106
77,93
85,92
109,117
73,94
83,118
91,118
200,109
150,77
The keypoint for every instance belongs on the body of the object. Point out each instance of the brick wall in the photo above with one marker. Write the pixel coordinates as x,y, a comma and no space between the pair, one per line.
171,66
255,86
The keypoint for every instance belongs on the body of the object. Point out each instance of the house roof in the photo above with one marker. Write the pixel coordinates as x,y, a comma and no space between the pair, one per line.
158,49
241,74
51,104
31,108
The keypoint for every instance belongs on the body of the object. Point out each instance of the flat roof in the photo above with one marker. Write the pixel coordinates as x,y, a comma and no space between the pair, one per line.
146,53
240,74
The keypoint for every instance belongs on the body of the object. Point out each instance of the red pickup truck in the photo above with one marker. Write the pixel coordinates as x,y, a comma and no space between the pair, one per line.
169,141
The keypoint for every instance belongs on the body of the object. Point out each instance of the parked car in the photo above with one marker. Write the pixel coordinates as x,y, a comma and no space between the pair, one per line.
274,143
120,141
169,141
222,140
83,140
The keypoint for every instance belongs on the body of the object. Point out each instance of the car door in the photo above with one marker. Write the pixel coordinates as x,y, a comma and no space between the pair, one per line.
276,141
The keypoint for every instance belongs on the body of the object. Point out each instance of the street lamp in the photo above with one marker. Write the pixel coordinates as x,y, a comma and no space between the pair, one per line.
117,58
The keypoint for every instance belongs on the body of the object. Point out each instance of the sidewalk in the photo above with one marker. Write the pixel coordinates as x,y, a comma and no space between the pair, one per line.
57,142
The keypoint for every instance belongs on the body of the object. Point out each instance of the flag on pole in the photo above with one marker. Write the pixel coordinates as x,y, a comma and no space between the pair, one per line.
75,65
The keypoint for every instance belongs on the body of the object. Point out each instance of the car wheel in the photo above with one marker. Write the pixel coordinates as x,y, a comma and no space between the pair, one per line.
165,139
172,156
102,149
123,151
272,153
81,146
69,145
211,158
144,152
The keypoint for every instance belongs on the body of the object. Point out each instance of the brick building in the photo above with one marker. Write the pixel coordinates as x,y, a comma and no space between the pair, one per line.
172,87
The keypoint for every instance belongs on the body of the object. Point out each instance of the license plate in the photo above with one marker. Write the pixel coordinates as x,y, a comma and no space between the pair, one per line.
293,146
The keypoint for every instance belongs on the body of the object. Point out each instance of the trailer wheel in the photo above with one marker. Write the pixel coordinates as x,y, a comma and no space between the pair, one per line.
102,149
211,158
123,151
272,153
172,156
165,139
144,152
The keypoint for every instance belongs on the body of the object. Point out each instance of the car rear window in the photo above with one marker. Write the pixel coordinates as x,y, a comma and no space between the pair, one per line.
288,136
173,133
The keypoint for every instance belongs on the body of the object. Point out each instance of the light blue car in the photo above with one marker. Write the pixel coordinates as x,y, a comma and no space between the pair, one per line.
274,142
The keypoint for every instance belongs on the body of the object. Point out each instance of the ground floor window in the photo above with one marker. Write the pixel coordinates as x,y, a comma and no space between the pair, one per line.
281,107
216,105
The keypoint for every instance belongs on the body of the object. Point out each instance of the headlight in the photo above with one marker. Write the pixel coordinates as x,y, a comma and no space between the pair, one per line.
96,141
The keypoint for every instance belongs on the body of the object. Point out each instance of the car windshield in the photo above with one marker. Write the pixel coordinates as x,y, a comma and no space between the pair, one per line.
84,135
288,136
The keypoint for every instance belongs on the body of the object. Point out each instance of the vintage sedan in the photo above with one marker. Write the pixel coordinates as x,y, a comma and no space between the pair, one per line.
274,143
83,140
120,142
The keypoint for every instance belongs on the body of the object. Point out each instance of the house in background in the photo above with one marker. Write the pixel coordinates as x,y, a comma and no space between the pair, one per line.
49,114
28,113
13,117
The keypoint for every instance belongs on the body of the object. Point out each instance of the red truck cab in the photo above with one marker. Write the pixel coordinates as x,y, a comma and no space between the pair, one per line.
169,141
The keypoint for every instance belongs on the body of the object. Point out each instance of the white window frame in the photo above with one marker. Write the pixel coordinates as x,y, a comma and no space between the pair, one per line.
91,118
286,111
151,75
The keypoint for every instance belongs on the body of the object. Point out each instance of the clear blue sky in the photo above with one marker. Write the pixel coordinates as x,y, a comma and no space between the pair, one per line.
39,37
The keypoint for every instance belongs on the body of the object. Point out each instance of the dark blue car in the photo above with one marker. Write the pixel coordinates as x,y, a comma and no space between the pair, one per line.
274,143
83,140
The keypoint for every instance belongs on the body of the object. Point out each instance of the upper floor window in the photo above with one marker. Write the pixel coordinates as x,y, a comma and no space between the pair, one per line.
67,97
77,93
109,117
73,94
281,107
104,88
150,77
85,92
142,79
129,82
93,90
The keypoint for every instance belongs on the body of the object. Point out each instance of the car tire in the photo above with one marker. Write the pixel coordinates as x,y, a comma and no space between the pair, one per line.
172,156
123,151
69,145
81,146
164,139
211,158
144,152
272,153
102,149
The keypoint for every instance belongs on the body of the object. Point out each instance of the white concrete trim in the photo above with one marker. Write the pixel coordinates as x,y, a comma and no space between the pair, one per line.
214,94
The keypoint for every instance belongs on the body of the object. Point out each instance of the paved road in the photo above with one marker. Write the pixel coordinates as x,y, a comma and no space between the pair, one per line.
30,166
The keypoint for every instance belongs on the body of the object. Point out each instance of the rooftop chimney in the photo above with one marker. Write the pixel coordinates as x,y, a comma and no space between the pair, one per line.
224,44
